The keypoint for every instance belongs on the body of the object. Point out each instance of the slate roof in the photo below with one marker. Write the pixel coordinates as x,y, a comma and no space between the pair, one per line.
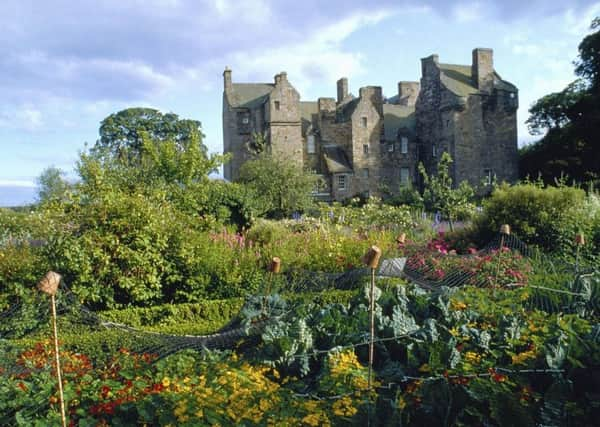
336,160
249,95
459,80
396,117
347,108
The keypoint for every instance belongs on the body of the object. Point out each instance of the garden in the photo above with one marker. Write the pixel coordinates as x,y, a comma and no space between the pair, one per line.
181,300
484,328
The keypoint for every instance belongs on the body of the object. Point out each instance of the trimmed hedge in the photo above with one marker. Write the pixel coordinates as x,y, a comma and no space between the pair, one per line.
201,318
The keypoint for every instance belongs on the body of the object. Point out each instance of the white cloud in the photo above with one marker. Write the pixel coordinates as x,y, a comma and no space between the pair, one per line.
17,183
468,12
318,58
578,24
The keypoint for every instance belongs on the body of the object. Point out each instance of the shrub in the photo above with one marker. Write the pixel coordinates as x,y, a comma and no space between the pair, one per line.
547,217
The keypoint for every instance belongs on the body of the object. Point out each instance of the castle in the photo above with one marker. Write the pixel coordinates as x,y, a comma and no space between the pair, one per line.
369,145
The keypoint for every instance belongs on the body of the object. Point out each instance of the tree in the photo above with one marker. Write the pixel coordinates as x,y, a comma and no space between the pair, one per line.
570,123
440,196
123,133
282,186
52,185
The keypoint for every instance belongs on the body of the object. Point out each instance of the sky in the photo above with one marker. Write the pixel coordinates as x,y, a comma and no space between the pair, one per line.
66,65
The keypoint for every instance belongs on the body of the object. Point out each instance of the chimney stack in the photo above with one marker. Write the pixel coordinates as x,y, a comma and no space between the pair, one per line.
408,93
342,89
482,69
228,85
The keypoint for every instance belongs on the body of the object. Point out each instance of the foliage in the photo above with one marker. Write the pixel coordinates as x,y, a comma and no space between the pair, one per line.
280,185
372,215
439,262
440,196
232,203
52,185
569,120
547,217
407,195
258,143
122,134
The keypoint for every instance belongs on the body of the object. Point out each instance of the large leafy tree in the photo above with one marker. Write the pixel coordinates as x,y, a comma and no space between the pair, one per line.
570,123
124,132
282,186
52,185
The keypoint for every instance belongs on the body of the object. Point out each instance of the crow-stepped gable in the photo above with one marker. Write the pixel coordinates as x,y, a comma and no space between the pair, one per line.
370,145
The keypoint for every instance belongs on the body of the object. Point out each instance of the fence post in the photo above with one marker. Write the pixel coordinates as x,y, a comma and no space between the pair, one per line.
49,285
371,259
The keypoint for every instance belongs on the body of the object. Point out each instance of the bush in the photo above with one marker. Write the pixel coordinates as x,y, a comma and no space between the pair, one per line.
546,217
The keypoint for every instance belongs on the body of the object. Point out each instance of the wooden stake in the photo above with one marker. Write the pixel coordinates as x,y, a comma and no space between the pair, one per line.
371,259
49,285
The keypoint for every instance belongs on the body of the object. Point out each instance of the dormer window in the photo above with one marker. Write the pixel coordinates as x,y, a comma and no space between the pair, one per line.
277,106
245,120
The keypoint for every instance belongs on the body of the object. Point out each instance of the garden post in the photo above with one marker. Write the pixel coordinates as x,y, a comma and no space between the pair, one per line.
49,285
274,268
371,259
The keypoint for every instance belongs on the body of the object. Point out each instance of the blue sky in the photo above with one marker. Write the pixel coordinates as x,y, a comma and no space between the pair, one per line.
65,65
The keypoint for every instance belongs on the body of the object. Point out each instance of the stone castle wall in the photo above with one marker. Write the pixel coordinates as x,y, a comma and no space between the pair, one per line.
467,111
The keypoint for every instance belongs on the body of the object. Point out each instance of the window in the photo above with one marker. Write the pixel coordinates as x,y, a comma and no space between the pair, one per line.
404,145
404,176
277,106
310,144
341,182
391,148
366,149
365,173
243,122
488,176
363,122
434,151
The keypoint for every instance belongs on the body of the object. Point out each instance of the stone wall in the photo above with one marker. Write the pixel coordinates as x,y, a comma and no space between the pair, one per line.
367,128
282,115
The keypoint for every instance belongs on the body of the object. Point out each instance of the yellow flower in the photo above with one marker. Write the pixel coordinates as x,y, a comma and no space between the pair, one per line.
401,402
166,382
521,358
457,305
343,407
472,357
